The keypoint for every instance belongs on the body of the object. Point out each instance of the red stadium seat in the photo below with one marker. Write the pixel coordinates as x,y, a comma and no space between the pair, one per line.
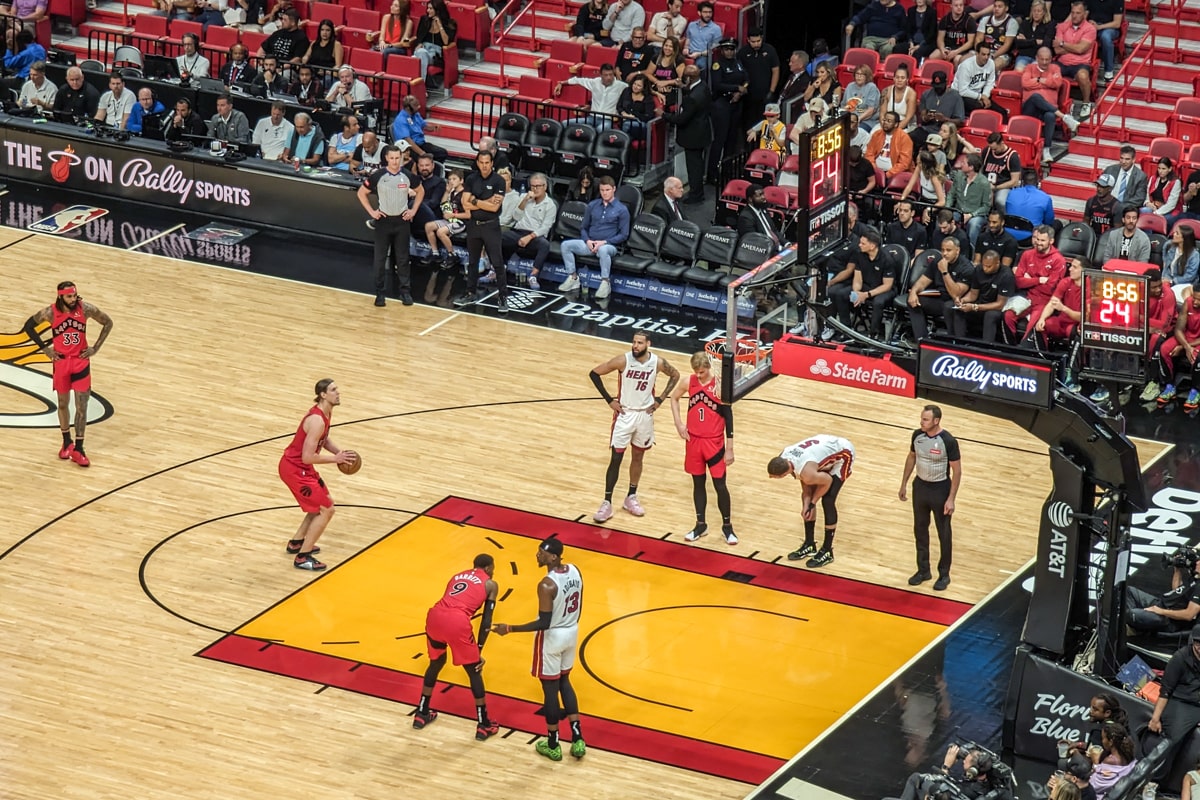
218,40
851,61
1184,124
922,80
1152,223
597,56
366,62
1160,147
148,33
761,166
1007,93
887,75
562,61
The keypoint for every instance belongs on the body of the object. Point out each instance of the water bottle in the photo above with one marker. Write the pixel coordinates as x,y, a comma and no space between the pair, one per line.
853,296
1150,792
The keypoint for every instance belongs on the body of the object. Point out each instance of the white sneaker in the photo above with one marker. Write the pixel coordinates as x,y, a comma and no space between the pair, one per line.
1151,391
1108,76
1085,110
1046,157
570,284
533,282
604,290
1072,123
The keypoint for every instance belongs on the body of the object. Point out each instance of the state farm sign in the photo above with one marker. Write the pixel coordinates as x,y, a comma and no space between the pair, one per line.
802,358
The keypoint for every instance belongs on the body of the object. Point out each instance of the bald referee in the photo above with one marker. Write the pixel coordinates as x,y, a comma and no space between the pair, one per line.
398,202
934,454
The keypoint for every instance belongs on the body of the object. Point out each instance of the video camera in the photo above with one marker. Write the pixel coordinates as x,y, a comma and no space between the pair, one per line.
1001,778
1183,558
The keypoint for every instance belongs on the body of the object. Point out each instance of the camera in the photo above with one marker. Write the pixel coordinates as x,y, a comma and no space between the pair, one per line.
1183,558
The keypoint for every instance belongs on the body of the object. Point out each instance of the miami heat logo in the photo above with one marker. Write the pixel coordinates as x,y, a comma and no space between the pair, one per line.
61,162
17,352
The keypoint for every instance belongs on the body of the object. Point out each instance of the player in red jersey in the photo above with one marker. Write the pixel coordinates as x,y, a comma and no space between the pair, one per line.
448,624
297,469
69,351
709,436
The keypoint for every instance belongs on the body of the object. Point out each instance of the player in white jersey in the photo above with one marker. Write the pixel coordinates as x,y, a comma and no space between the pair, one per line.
822,463
560,603
633,420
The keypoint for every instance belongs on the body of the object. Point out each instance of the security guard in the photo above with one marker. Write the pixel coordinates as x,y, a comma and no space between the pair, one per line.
729,82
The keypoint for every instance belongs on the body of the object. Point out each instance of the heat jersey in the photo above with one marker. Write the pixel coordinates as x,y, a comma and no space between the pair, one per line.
704,418
466,592
294,454
568,601
831,454
69,330
637,382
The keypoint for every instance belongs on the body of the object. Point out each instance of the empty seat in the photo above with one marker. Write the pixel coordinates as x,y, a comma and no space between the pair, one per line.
678,252
646,234
631,196
717,248
1076,239
511,130
543,137
574,149
761,166
610,156
732,198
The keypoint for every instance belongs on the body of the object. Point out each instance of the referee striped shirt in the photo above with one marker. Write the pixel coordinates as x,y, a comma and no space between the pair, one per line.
392,189
934,454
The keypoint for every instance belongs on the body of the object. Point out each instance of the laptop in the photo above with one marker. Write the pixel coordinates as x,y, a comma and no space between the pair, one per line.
64,57
209,84
248,149
159,68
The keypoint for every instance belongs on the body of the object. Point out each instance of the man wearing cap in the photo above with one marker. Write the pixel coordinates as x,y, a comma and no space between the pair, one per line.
1078,772
730,83
693,129
1101,208
1040,84
938,104
1177,711
560,603
770,133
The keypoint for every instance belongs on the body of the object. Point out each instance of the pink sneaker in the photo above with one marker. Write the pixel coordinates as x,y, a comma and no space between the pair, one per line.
604,512
633,506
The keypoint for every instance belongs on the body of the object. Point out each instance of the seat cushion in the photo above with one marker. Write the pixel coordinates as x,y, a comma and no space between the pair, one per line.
632,264
700,276
667,272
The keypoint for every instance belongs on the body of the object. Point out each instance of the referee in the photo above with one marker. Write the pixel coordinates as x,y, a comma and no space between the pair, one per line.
934,454
392,229
483,194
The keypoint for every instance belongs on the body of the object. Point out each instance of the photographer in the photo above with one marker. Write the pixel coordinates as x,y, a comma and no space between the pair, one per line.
1174,610
967,771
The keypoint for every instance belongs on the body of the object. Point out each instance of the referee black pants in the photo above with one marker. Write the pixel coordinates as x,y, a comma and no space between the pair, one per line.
391,236
930,498
481,237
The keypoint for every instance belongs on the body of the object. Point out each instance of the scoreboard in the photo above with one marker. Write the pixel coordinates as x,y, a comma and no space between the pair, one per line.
821,223
1114,324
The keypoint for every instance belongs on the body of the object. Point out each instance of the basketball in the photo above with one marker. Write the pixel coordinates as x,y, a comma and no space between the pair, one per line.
351,467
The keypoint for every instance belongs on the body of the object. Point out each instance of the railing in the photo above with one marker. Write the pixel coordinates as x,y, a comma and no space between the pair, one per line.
1121,83
102,44
500,30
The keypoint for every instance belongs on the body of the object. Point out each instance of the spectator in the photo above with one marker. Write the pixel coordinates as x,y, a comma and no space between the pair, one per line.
1189,201
955,146
424,175
268,21
437,29
938,104
116,104
37,91
860,175
605,91
998,30
693,132
395,34
900,98
1131,181
929,182
1073,41
666,71
1160,310
933,143
1100,209
956,34
487,144
795,85
824,86
861,97
605,226
1030,202
307,144
858,136
210,12
272,133
288,43
409,126
948,228
529,223
270,80
995,237
814,115
702,36
883,23
1002,168
589,22
1035,32
668,24
1126,242
325,51
921,30
28,12
634,56
1181,261
971,195
583,188
348,91
146,106
975,78
1107,16
636,107
769,133
762,73
237,68
890,149
821,55
23,52
76,96
183,123
622,17
307,88
1162,195
368,157
228,124
931,292
340,150
668,208
1040,83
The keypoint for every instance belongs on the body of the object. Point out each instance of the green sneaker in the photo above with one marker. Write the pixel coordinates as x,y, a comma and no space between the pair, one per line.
578,748
544,749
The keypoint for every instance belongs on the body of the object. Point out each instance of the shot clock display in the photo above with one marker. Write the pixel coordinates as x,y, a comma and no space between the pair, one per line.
1114,313
821,221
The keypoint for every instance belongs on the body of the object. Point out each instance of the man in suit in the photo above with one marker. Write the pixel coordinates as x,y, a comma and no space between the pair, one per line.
753,217
236,68
693,129
1131,182
668,206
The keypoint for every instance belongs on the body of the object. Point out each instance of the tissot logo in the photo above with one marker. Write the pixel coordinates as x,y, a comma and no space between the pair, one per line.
1061,515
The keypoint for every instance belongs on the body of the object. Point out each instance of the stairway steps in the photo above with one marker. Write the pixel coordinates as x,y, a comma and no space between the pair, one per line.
516,56
488,73
465,91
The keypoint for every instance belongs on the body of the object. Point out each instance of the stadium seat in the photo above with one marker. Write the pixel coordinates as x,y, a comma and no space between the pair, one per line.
752,250
568,225
1007,93
761,166
532,93
854,57
543,137
1076,239
646,234
1184,124
678,252
1162,146
366,62
611,154
359,23
1187,223
631,196
1024,134
448,68
597,56
1158,243
574,149
218,40
173,44
148,33
511,130
717,247
887,74
732,198
317,12
922,80
561,62
1152,223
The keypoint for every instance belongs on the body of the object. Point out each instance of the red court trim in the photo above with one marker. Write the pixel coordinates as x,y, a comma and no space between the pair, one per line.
676,555
400,687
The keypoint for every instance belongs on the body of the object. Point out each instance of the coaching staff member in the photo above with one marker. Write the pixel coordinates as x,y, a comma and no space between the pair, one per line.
934,454
483,194
392,229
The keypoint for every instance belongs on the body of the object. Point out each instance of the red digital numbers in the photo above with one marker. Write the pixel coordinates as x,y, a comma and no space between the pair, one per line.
824,179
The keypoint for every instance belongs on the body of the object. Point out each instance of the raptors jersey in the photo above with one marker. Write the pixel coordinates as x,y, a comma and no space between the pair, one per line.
69,329
637,383
465,592
294,454
568,601
704,418
831,454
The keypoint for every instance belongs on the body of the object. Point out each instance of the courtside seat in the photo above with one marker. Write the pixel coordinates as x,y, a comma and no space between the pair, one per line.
574,149
761,166
678,251
511,130
716,253
1076,239
631,196
732,198
543,137
752,250
611,154
567,226
646,234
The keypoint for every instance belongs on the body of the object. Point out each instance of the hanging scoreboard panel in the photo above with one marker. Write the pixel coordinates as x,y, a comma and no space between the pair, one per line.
821,223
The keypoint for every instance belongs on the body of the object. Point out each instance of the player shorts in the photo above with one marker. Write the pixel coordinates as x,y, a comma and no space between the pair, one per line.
554,652
705,453
445,628
633,427
72,373
307,487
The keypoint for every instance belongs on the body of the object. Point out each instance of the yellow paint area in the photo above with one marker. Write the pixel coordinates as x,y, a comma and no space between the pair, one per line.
697,656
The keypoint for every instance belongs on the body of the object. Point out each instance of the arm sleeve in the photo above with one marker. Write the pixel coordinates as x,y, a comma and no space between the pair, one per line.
30,330
598,381
543,620
485,624
727,412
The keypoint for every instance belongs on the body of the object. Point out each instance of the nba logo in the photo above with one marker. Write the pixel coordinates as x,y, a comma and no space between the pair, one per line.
68,219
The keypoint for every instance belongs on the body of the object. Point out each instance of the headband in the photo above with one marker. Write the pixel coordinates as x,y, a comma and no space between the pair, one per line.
67,291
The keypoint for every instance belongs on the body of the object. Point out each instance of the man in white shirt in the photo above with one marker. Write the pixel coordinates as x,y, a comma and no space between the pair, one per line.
623,16
531,219
191,64
667,23
116,104
37,91
605,90
975,78
273,133
348,90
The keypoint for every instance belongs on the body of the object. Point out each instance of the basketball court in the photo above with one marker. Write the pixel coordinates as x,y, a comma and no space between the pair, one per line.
160,643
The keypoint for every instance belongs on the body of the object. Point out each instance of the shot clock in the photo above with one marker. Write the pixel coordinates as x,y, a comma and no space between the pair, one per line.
1114,326
821,221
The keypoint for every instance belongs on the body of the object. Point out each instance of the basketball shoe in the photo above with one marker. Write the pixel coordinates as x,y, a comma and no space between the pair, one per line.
65,451
486,731
293,547
578,748
570,284
604,512
822,558
79,457
633,506
695,533
543,748
421,720
730,537
807,549
308,562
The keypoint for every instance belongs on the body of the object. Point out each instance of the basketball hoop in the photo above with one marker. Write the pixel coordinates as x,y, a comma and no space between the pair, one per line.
746,351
